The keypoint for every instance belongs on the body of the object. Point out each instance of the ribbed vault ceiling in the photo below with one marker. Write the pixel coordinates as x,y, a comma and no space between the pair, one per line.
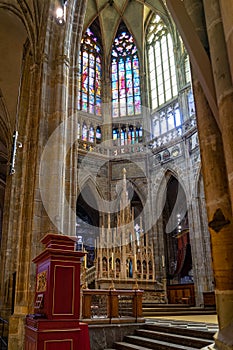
134,13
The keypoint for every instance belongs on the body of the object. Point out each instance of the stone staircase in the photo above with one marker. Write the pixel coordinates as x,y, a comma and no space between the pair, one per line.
168,335
151,309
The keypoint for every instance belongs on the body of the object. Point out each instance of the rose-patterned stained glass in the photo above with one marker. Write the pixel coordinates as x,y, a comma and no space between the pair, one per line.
89,83
126,95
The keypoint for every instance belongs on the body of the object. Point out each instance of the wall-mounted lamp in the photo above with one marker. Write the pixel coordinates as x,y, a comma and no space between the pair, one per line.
60,11
15,145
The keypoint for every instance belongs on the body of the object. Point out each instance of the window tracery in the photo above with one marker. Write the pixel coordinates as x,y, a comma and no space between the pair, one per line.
89,83
161,63
126,95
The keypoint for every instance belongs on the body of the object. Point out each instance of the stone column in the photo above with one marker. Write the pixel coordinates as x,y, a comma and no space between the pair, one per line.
22,208
226,7
224,91
218,206
223,81
216,152
106,111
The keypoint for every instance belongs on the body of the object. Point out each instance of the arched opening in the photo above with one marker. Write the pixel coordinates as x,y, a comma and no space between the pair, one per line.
87,222
178,256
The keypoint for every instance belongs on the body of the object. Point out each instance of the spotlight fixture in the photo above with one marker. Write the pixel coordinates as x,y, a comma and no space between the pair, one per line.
60,12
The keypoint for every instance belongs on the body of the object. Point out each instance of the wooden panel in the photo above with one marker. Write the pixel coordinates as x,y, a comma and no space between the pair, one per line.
181,294
209,299
66,344
30,345
63,297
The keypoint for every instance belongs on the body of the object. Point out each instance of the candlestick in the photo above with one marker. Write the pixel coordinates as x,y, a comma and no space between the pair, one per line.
163,261
85,261
112,261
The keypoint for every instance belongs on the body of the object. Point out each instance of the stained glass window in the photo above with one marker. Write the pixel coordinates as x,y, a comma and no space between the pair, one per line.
91,134
161,63
84,132
126,96
89,99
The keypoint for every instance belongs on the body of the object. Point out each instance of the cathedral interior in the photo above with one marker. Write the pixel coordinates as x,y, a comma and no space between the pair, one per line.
117,128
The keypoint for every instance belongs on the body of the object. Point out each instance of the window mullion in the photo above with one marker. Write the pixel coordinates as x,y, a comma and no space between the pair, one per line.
126,97
162,68
80,81
133,91
95,75
118,88
155,74
88,82
169,66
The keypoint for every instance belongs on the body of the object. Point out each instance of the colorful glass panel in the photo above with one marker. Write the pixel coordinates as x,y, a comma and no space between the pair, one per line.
84,132
89,81
126,95
91,134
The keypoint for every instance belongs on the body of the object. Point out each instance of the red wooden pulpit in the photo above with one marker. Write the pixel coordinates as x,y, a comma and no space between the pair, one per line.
55,323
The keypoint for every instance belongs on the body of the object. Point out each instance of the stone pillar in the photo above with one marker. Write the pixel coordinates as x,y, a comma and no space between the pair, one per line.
22,212
224,92
106,111
216,152
43,105
226,7
218,206
223,81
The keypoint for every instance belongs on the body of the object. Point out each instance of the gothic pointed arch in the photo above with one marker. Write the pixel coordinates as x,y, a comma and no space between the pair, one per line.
176,234
87,220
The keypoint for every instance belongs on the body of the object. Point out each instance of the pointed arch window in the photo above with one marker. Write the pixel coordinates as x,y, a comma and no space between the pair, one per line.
89,84
161,63
126,95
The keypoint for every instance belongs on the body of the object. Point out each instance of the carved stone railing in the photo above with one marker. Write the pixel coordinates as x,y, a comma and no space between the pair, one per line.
112,306
112,151
157,143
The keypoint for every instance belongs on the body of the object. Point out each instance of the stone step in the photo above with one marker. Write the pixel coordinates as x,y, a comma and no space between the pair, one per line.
177,310
168,335
188,329
158,313
173,338
152,304
139,343
126,346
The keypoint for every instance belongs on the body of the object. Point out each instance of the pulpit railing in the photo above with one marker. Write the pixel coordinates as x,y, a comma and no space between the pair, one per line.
112,306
